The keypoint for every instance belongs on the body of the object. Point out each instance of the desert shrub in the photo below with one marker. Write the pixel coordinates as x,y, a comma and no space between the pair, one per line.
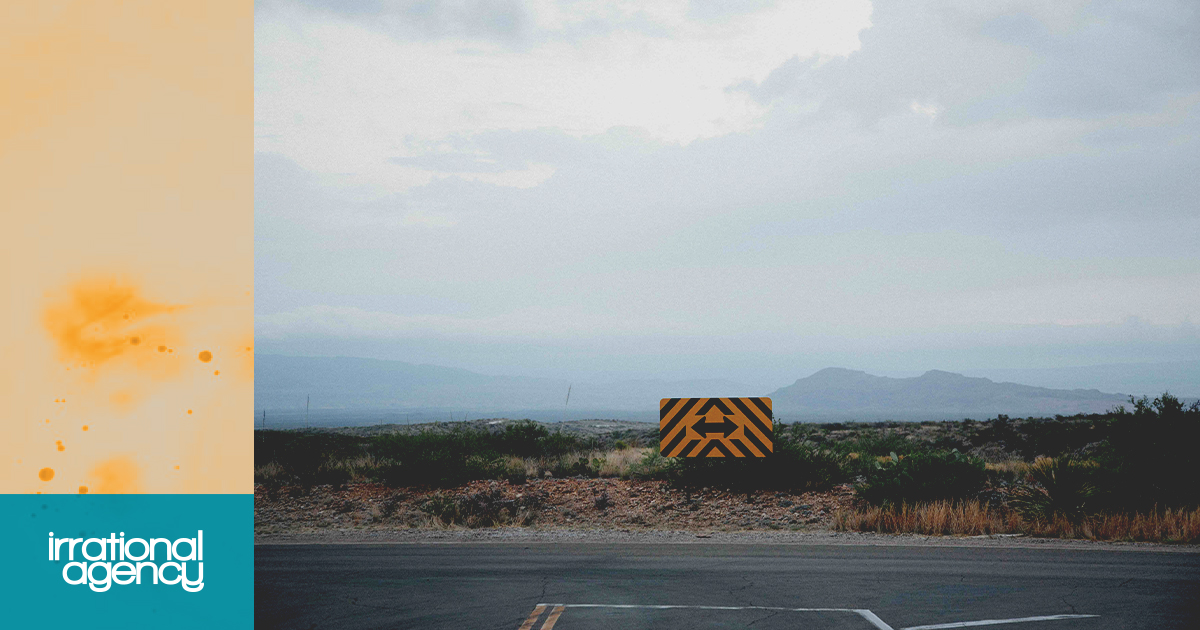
575,465
1153,455
270,474
792,466
920,477
874,443
465,454
1059,436
651,466
512,469
326,474
1056,486
303,457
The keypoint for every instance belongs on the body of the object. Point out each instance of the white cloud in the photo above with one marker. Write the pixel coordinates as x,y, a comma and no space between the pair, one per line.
533,322
924,109
343,95
974,166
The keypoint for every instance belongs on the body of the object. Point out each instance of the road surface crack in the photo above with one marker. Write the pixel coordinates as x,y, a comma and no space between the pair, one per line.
1063,599
749,584
763,618
354,602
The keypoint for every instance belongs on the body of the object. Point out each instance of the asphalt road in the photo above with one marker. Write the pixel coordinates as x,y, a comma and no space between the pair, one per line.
695,586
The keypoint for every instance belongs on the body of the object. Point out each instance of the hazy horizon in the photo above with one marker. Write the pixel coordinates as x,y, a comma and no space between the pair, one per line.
341,385
602,190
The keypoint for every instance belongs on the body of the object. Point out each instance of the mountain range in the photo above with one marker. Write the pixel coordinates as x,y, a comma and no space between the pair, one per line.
835,392
341,385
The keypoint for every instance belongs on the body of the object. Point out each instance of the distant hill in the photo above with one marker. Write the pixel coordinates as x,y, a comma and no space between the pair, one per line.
1181,378
837,392
345,383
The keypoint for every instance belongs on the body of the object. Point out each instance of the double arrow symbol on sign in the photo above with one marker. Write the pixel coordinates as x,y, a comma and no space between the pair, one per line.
725,427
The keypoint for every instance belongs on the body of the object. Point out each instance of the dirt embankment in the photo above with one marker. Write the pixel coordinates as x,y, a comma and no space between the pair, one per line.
579,503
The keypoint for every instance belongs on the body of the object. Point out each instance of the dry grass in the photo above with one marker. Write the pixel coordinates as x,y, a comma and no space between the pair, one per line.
970,518
940,518
268,473
1014,467
622,463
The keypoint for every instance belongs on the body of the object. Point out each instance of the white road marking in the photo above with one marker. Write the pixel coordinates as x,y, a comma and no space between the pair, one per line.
874,620
869,616
995,622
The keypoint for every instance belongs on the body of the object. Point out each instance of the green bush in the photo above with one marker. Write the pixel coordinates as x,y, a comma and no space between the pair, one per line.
920,477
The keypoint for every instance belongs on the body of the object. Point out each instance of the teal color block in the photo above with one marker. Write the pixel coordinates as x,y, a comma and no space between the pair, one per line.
36,596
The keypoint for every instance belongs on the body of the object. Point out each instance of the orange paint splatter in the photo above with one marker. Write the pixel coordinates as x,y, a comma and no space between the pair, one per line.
176,468
162,348
123,400
85,427
89,320
189,412
60,446
206,356
119,475
216,372
82,489
46,474
170,349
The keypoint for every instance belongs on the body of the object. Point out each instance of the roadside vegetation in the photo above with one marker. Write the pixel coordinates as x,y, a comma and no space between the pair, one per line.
1130,474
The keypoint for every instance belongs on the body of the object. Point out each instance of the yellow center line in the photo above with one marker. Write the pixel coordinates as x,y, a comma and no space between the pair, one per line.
553,618
533,617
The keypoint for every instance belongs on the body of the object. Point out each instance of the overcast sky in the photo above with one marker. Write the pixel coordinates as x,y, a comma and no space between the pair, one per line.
609,189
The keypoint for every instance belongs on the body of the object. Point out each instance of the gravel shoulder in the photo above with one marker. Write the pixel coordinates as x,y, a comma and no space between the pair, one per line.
537,535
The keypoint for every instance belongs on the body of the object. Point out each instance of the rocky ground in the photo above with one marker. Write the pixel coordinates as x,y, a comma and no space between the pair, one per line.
590,504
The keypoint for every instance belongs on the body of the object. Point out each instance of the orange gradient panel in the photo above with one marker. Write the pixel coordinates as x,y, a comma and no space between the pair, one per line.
127,236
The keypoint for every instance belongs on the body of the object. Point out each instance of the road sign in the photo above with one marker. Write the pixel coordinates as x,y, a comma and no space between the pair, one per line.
715,427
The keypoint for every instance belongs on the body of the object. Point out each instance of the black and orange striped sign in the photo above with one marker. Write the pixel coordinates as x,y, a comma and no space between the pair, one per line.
715,427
